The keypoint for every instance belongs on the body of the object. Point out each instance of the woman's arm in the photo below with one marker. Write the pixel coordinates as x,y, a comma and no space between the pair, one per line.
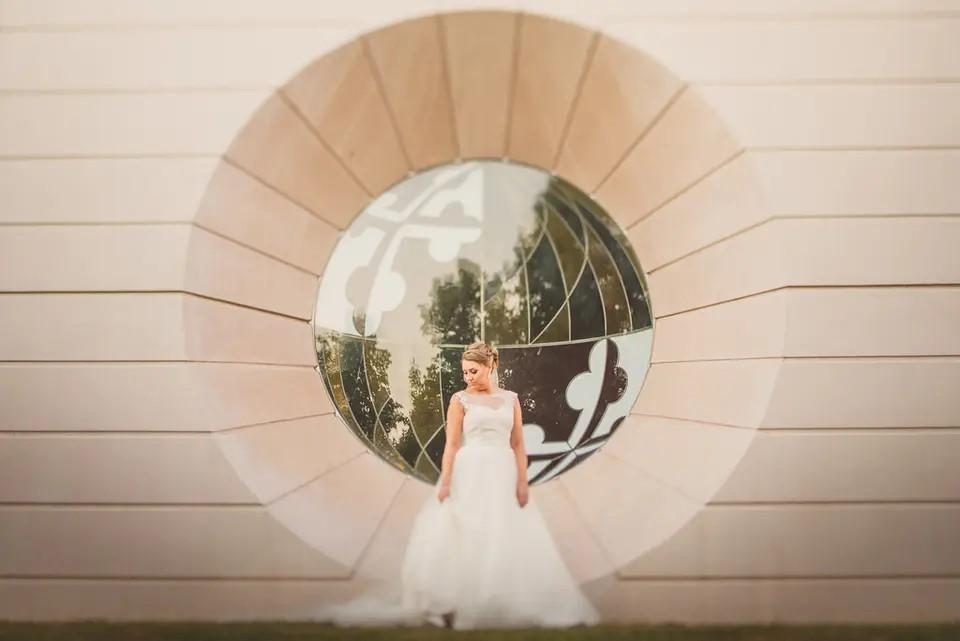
520,451
454,438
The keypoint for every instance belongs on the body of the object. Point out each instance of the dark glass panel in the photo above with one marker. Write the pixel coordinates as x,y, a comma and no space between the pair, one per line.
628,266
611,289
559,329
569,250
540,376
586,308
435,447
546,286
568,212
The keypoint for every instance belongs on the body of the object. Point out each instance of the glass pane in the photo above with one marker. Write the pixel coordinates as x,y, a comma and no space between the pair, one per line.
545,281
568,248
615,308
629,267
559,329
587,321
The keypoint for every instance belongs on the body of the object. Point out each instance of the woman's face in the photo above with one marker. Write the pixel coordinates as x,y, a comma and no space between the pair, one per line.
475,375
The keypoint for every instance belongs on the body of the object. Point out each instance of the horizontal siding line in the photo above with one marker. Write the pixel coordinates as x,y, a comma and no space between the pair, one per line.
46,578
784,16
192,221
835,503
749,148
775,218
878,285
785,431
82,506
705,83
148,362
213,155
21,432
788,577
156,291
149,292
865,216
93,223
172,578
775,289
333,24
227,302
731,359
127,91
363,25
267,88
188,223
175,155
821,358
891,81
767,431
771,431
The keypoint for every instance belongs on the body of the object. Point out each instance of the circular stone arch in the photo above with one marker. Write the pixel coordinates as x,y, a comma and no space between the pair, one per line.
440,89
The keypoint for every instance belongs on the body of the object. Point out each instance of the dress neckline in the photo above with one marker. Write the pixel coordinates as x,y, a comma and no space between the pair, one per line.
466,393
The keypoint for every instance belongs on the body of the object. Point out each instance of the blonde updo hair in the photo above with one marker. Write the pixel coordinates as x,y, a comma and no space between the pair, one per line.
482,353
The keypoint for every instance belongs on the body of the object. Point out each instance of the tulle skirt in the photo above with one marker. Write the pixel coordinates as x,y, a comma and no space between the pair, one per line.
479,555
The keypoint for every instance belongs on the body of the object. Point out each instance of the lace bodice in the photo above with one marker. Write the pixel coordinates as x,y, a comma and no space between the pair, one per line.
488,418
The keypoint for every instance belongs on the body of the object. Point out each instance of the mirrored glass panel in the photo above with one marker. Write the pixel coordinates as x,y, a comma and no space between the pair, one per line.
493,251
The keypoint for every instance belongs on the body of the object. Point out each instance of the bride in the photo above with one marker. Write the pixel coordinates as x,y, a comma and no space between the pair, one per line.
479,554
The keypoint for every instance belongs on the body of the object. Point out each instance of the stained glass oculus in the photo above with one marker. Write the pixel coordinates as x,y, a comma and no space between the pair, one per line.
483,250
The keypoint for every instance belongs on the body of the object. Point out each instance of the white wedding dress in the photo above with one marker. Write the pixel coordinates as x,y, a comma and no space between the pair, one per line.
478,554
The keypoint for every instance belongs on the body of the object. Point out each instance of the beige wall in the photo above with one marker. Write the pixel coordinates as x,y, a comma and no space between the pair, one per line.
793,456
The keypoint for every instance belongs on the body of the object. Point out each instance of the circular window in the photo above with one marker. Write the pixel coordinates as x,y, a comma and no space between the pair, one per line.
493,251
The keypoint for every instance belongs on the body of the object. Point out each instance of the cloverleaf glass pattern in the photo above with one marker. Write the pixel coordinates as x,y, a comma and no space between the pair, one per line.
483,250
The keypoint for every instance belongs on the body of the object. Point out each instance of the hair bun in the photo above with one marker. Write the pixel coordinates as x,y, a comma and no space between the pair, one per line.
482,353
